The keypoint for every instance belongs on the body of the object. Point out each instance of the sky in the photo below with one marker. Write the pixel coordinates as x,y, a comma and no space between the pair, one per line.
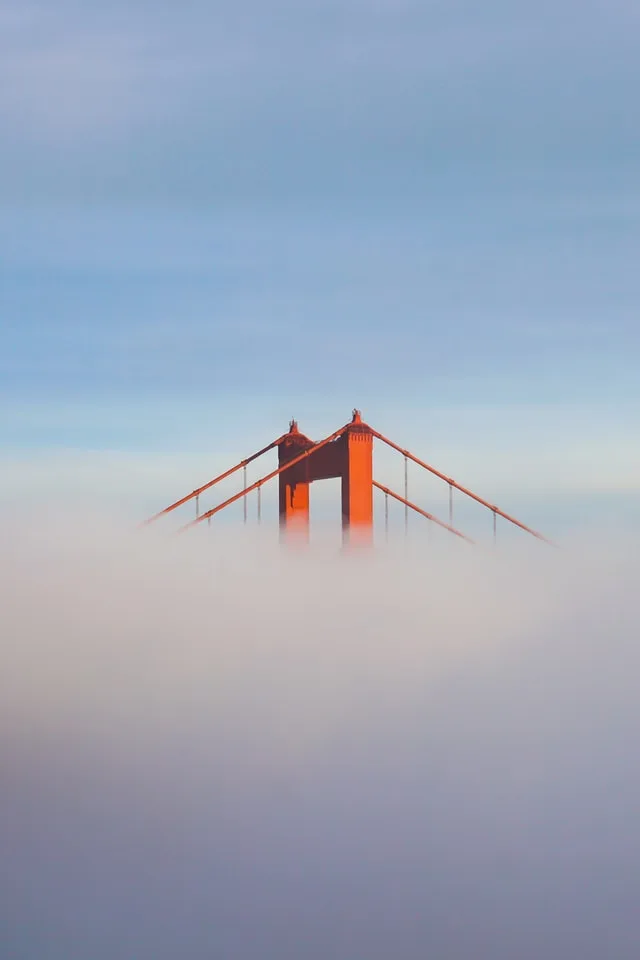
216,217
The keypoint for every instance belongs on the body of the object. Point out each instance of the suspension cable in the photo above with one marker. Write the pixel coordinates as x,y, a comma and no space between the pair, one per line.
423,513
452,483
211,483
267,477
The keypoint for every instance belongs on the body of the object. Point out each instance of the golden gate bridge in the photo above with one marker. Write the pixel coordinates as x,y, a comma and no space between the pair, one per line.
347,455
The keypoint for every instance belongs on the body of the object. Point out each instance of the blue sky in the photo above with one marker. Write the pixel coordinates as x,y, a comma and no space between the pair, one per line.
217,216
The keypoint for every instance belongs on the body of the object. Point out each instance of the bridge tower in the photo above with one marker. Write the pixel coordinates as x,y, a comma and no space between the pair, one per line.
350,458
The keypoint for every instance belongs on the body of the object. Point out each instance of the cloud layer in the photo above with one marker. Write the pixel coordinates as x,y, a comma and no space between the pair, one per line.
211,748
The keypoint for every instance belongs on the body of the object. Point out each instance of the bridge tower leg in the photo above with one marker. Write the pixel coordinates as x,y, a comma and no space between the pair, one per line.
357,484
294,485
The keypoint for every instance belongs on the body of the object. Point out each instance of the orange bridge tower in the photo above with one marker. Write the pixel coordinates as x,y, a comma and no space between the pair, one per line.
349,457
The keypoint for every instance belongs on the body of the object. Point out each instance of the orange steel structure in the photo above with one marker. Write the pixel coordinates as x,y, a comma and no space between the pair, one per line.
348,458
346,454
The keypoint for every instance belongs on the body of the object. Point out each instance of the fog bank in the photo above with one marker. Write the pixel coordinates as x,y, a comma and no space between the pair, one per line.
220,748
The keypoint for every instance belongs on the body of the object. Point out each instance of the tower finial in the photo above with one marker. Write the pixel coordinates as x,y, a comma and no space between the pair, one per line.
357,417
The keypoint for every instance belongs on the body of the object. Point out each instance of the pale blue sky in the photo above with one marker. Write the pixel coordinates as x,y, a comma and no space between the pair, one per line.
217,216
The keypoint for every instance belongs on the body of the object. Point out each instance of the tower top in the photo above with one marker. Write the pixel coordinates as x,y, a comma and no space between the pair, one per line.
357,416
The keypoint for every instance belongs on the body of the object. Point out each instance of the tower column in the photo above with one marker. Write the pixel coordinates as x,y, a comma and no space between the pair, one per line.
357,484
293,485
294,507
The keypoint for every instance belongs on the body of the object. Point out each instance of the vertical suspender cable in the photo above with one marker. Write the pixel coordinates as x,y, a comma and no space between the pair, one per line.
495,525
450,505
259,504
386,516
406,496
197,506
244,499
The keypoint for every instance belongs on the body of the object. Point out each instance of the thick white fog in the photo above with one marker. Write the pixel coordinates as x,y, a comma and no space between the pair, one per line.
219,748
